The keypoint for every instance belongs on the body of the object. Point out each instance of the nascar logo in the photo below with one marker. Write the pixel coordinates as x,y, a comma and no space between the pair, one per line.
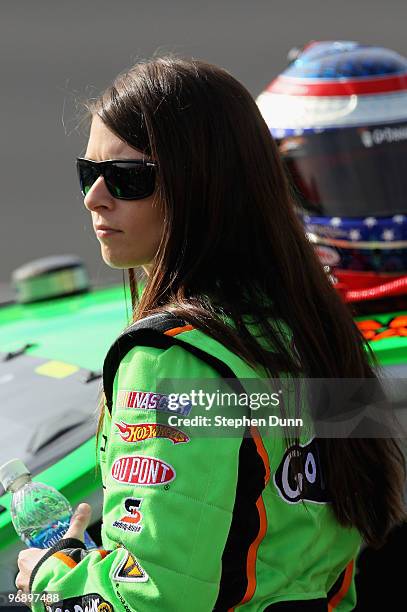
147,471
145,431
146,400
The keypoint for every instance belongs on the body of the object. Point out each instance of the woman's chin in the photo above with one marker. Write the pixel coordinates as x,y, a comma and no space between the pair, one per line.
120,262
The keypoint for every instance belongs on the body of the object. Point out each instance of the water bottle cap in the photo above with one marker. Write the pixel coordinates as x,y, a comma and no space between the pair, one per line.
10,471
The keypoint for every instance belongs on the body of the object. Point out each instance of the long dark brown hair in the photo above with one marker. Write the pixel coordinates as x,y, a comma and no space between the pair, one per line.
232,245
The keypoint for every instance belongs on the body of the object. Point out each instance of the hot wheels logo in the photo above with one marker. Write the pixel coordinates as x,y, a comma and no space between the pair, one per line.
145,431
146,471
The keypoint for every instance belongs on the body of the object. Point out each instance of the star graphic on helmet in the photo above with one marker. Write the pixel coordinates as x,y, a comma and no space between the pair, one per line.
388,234
354,234
370,221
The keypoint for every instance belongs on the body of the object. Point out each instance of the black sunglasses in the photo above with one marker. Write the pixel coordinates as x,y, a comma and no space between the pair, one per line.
126,179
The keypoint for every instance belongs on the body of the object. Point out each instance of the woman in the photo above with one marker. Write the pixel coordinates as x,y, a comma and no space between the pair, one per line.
194,523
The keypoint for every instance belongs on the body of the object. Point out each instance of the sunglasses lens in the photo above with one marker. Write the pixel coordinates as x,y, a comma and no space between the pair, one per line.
124,180
130,181
87,174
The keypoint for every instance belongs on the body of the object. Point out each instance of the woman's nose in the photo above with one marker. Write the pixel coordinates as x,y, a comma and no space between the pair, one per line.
98,195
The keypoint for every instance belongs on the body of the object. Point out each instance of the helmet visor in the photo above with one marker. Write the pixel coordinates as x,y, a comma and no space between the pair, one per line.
350,172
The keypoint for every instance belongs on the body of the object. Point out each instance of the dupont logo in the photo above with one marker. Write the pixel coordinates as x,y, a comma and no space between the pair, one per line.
145,431
146,471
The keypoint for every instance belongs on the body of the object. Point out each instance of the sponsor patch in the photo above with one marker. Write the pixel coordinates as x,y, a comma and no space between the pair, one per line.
147,400
308,484
83,603
129,570
383,134
141,470
146,431
132,520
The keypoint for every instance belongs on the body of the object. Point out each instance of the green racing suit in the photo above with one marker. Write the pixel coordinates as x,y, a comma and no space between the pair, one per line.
197,523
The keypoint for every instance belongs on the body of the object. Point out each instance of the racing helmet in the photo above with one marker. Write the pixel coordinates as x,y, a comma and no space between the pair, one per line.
339,116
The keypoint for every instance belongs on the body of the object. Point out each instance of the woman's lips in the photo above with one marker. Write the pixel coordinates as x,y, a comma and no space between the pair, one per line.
103,231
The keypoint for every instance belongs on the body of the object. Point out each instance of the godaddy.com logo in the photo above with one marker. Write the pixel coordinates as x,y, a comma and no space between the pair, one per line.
378,136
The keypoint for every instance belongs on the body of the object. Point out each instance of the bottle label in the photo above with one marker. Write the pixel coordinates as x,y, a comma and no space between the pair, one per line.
89,543
49,535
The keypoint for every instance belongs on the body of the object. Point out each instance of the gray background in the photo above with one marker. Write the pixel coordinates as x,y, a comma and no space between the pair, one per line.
53,54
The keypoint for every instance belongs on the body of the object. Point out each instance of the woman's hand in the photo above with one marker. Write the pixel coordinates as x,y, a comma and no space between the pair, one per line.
28,558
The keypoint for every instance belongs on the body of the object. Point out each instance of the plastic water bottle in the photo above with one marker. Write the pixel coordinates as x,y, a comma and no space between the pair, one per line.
40,514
